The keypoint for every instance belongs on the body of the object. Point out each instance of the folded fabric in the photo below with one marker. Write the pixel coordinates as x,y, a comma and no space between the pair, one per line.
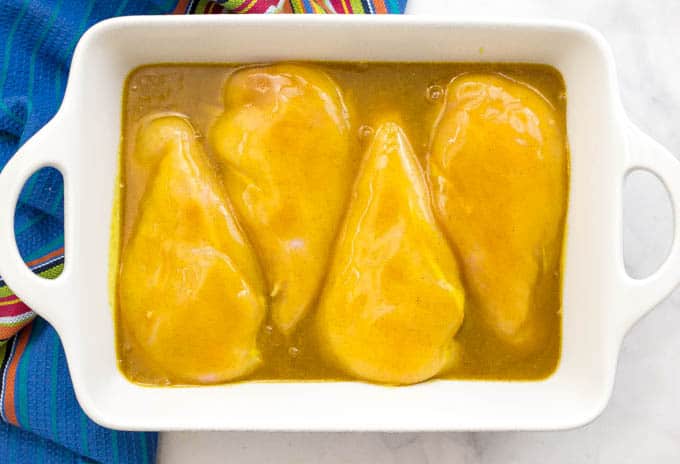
41,420
292,6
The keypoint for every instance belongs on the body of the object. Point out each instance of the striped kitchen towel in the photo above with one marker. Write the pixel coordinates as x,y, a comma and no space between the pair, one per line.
40,420
292,6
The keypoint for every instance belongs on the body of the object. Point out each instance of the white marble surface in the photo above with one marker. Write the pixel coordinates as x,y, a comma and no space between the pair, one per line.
642,421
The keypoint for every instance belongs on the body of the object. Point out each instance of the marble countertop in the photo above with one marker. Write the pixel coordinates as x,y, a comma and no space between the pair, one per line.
642,420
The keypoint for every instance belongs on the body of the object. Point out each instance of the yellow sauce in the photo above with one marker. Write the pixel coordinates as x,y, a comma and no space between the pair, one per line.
298,165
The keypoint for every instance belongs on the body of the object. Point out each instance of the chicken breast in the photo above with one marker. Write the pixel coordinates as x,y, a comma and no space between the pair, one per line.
393,300
498,171
285,147
190,288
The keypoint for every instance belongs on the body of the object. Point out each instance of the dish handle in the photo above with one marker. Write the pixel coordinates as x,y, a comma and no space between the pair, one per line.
641,295
47,148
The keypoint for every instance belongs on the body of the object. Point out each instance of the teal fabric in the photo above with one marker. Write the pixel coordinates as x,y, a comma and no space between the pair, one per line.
37,38
53,427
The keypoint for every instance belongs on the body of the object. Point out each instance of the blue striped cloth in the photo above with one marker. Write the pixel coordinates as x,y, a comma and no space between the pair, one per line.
37,38
53,427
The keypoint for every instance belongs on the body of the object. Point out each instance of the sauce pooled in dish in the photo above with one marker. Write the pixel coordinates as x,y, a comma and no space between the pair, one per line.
385,222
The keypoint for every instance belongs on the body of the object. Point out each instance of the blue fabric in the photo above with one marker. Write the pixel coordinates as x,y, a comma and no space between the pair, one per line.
52,423
37,38
24,447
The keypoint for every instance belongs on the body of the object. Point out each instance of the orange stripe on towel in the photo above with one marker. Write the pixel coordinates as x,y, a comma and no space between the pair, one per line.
181,7
47,257
380,7
10,380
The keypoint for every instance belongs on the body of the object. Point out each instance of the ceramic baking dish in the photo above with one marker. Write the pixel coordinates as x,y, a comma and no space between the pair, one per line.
600,301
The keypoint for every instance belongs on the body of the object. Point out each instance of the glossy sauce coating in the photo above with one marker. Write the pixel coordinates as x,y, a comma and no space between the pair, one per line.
284,139
188,272
498,173
393,300
368,92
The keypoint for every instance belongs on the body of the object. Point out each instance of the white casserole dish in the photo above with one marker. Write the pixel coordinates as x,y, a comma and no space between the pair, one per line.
600,302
